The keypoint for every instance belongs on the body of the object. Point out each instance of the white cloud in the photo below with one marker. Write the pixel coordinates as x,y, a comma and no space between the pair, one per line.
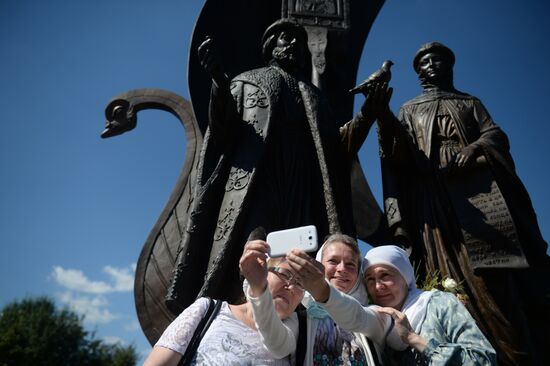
94,309
121,280
74,279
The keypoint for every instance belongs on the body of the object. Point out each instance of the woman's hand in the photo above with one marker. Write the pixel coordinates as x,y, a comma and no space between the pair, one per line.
309,273
404,329
253,266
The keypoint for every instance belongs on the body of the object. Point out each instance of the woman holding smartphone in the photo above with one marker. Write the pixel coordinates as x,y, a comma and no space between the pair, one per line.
327,343
233,337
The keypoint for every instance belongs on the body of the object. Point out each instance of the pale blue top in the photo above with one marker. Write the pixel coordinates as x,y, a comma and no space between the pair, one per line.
452,334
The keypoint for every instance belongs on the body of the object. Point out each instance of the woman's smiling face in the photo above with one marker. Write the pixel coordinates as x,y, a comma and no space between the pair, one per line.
386,286
341,266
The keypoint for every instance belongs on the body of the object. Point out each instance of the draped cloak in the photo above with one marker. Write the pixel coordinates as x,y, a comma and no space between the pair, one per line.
418,205
413,154
242,157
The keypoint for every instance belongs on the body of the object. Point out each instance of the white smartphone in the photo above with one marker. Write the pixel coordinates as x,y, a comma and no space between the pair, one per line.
303,237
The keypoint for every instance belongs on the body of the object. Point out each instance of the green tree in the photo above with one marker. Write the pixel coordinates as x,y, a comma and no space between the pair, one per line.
34,332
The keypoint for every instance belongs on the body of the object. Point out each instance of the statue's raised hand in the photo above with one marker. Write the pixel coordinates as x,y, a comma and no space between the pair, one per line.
210,61
377,99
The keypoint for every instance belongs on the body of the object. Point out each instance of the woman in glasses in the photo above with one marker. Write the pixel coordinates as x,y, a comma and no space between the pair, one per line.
327,343
232,338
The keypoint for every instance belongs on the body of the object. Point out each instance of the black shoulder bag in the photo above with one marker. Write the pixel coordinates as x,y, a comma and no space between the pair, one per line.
202,327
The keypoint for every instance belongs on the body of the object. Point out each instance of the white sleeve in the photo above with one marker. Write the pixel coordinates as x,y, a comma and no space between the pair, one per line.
278,337
179,333
349,314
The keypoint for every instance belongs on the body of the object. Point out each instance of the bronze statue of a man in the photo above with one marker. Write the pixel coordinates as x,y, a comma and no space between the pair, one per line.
272,157
452,196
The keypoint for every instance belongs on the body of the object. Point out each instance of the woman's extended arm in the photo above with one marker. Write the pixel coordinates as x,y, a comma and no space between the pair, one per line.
278,337
161,356
347,312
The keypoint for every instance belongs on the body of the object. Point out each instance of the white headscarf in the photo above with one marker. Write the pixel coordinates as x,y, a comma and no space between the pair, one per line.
417,300
358,291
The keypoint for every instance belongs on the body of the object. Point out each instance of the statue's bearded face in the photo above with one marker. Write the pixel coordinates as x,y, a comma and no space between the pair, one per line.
289,50
434,67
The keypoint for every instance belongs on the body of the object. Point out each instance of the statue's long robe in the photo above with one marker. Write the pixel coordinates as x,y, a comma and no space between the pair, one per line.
418,202
272,157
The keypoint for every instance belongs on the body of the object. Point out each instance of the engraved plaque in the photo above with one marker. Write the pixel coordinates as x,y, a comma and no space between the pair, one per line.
326,13
487,227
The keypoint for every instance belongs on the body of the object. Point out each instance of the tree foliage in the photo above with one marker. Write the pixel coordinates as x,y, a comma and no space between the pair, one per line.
34,332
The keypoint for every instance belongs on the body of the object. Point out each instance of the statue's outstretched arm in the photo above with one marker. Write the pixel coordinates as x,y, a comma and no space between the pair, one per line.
354,133
222,109
210,61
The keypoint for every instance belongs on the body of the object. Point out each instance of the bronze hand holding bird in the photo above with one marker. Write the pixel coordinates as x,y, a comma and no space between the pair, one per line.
380,76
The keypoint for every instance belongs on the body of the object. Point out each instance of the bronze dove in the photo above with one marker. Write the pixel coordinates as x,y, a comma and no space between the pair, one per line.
382,75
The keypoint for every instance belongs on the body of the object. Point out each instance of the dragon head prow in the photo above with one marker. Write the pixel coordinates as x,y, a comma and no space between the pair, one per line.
120,118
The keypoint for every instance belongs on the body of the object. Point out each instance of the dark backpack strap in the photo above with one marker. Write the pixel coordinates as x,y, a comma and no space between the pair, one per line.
211,318
202,327
373,352
301,344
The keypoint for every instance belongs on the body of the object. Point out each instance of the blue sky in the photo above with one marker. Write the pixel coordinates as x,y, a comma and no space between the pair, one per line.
75,209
